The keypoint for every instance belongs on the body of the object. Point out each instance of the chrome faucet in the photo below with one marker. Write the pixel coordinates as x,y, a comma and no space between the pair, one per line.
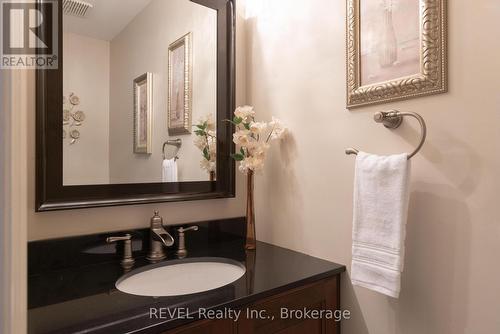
159,238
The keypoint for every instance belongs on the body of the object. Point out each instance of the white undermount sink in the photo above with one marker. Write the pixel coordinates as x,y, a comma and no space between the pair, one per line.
183,277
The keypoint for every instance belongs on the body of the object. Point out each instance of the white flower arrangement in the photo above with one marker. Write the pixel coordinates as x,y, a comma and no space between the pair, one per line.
206,141
253,138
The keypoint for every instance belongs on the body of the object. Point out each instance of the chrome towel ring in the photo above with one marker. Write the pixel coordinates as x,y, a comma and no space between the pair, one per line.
392,120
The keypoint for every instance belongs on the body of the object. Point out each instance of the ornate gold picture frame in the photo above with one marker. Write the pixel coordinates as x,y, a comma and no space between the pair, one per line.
180,74
396,49
143,113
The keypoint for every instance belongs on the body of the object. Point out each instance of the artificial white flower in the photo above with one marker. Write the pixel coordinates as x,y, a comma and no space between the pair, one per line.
278,131
251,163
209,119
258,150
258,127
207,165
253,139
243,168
244,112
241,137
212,134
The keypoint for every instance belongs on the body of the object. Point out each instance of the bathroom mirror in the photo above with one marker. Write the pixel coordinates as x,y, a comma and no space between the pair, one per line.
136,110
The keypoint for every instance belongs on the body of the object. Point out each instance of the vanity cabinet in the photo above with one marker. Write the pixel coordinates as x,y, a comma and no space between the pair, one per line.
205,327
321,295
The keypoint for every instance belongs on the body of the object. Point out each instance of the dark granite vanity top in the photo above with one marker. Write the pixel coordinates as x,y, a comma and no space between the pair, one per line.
72,281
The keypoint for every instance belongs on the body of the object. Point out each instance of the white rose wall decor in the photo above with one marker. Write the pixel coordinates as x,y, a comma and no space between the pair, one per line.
72,119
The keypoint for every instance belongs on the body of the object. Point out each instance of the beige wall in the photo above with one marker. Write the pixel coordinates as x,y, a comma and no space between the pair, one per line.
296,71
86,73
4,251
65,223
143,47
13,201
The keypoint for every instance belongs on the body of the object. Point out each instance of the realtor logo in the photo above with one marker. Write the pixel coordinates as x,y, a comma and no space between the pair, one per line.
29,33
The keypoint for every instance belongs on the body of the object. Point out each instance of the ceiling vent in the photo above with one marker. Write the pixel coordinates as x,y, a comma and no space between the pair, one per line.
77,8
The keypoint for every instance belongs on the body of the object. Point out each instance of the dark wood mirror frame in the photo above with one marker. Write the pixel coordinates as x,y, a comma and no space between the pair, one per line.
50,192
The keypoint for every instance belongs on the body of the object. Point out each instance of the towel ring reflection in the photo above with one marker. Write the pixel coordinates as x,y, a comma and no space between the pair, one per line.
174,142
392,120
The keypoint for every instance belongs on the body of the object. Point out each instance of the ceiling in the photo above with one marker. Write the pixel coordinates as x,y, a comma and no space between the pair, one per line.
106,20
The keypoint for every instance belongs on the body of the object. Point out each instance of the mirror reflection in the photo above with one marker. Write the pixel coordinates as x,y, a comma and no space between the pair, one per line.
139,85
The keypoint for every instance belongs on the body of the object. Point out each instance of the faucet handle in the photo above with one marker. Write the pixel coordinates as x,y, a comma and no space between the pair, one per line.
110,240
128,261
182,251
185,229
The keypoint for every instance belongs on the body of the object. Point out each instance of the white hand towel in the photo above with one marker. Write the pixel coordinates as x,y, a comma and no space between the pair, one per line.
381,195
169,170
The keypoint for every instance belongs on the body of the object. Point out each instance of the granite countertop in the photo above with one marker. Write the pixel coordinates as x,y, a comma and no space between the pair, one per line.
83,298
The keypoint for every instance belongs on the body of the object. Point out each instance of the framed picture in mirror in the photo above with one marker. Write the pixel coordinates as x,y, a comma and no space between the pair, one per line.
180,73
396,49
143,113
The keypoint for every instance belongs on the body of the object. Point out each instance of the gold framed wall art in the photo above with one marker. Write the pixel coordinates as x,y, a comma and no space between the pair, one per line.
396,49
143,113
180,74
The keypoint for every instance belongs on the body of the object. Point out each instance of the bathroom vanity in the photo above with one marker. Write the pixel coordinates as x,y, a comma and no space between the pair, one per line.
72,287
149,125
281,313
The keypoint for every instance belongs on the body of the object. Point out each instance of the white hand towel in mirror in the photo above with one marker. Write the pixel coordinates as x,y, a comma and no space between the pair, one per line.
169,170
381,195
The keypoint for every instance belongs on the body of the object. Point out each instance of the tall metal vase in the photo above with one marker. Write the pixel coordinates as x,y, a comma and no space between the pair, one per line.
250,242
